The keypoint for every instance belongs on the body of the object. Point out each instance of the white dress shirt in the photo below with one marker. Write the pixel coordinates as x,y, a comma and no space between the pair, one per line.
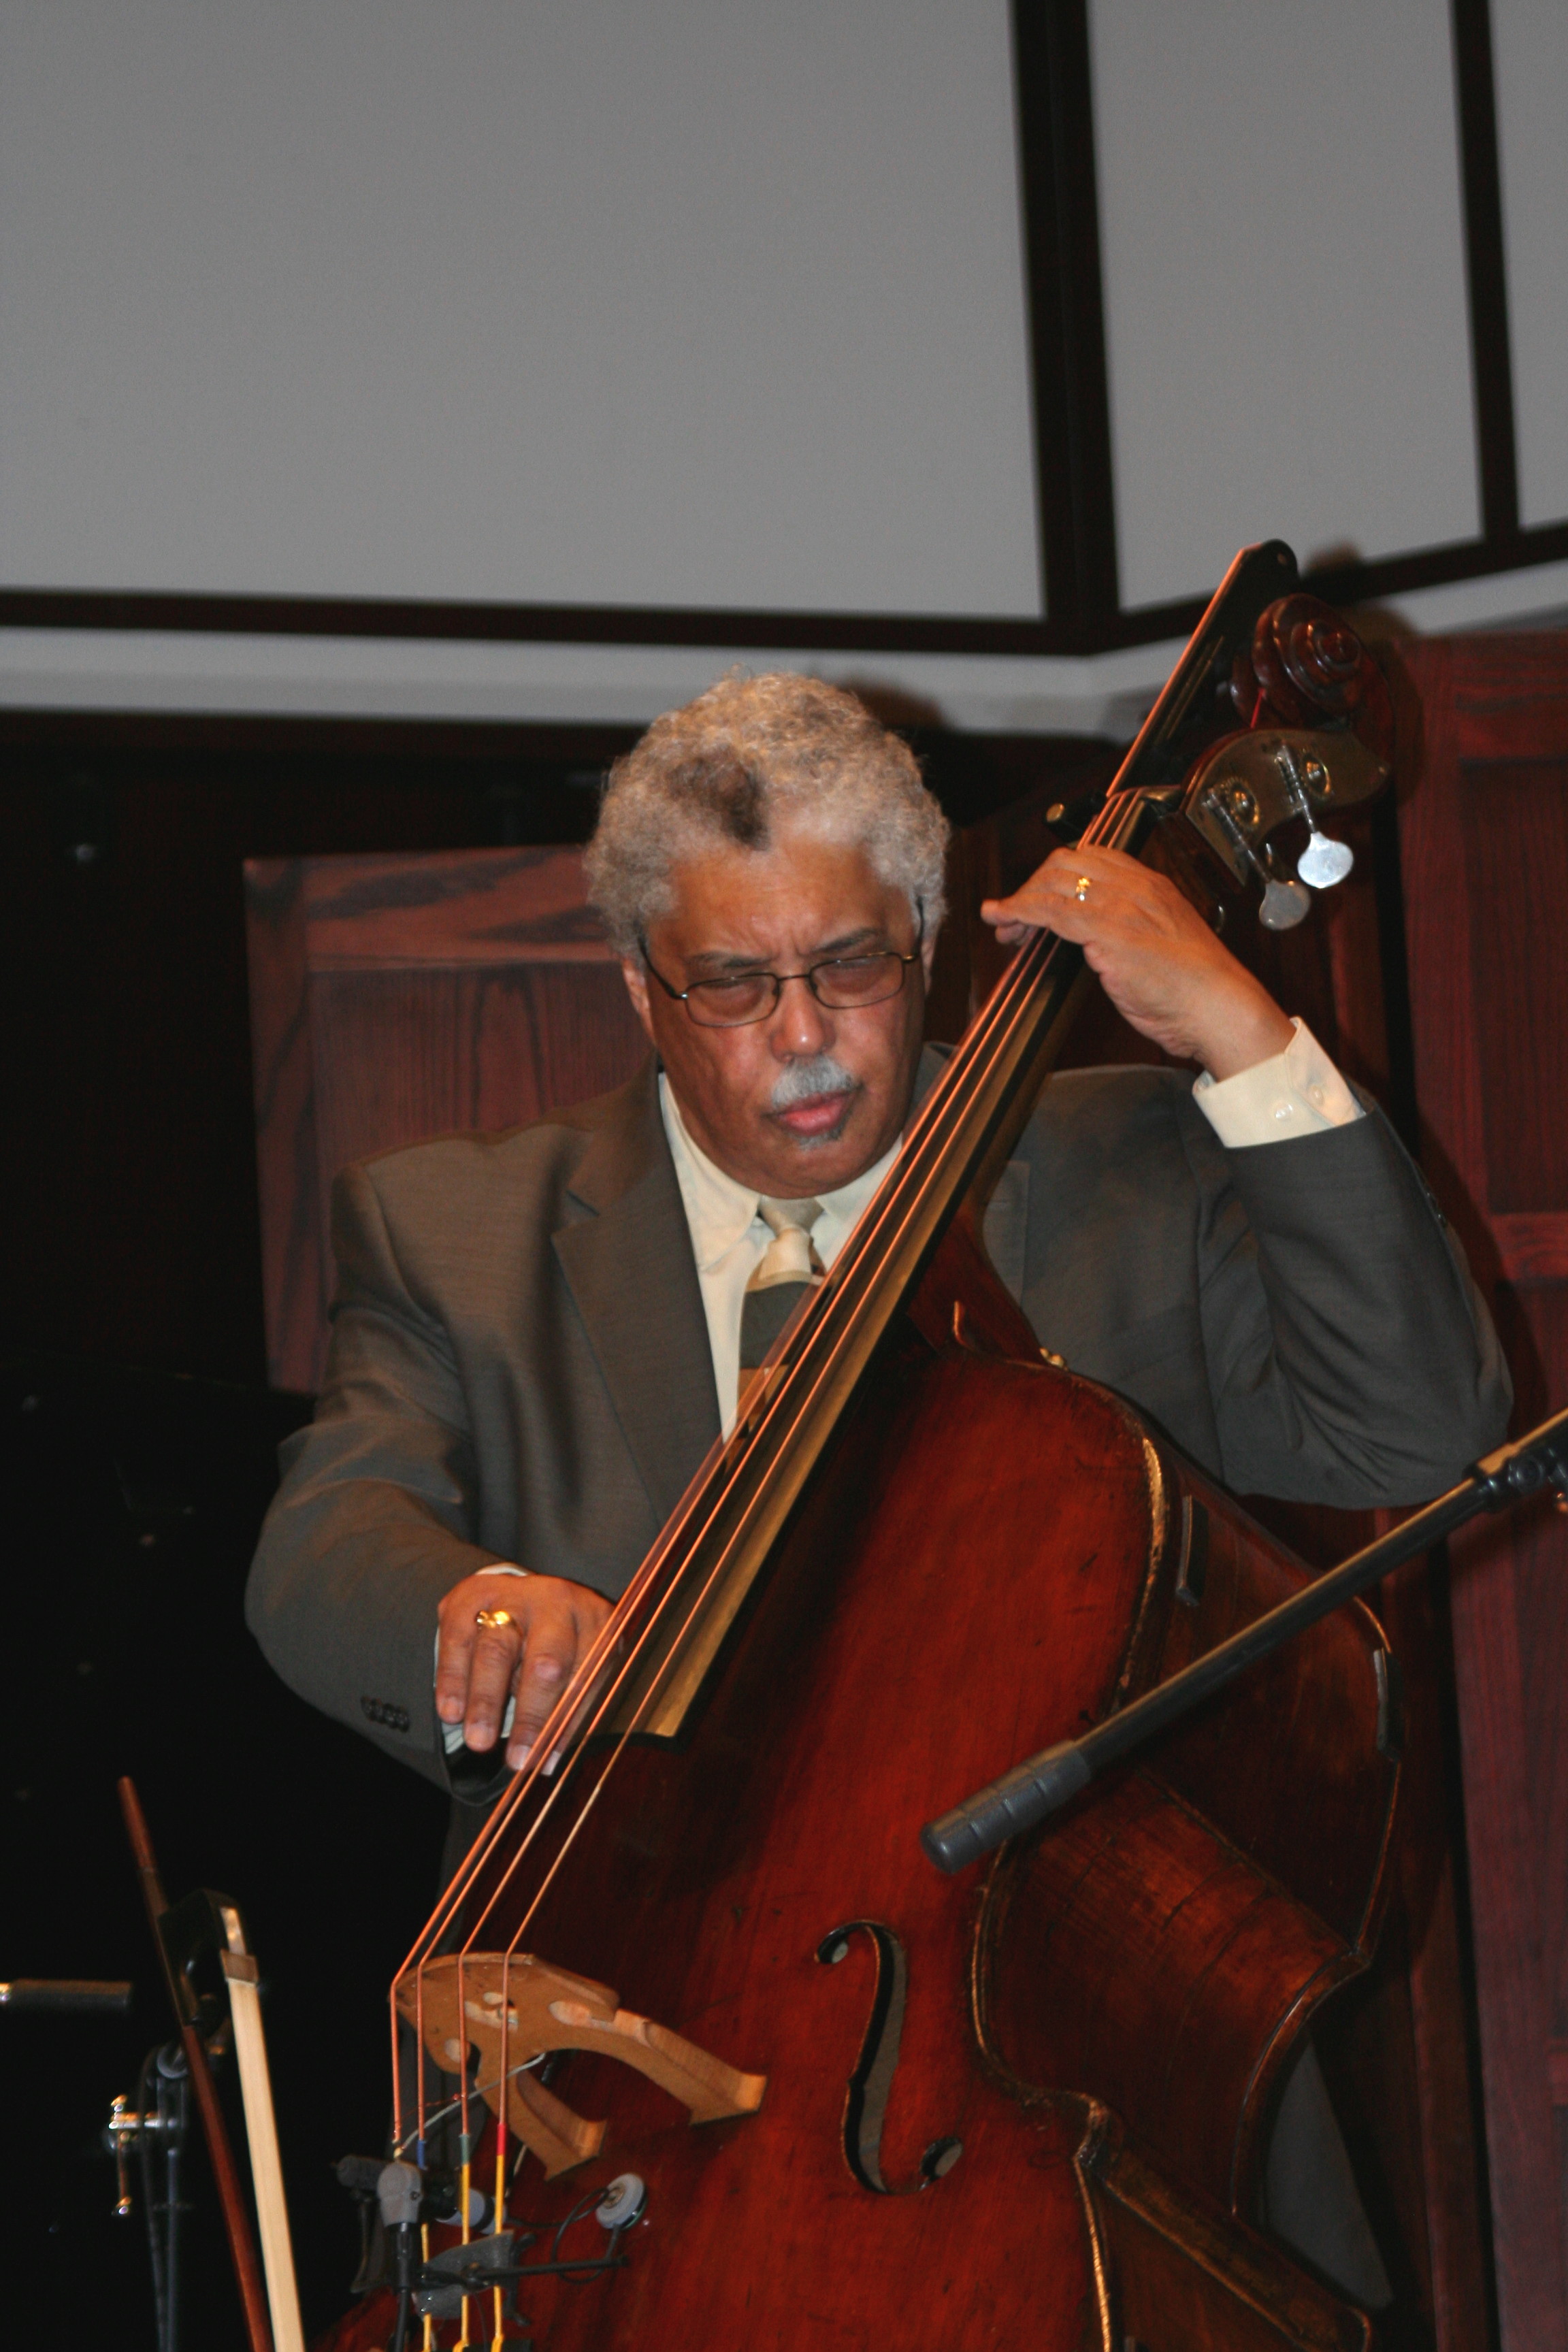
1294,1093
728,1238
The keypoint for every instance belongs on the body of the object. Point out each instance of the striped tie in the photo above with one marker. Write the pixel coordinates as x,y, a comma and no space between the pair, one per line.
789,1268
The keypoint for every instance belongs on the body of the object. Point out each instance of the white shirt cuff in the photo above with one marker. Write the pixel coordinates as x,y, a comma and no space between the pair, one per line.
1298,1092
452,1733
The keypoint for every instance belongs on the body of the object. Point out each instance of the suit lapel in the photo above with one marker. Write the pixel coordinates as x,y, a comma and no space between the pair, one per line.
1004,1221
627,1259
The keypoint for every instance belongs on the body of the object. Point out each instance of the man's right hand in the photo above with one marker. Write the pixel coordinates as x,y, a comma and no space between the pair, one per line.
478,1667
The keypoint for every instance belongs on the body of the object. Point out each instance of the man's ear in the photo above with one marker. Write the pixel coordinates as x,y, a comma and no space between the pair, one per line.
635,977
927,951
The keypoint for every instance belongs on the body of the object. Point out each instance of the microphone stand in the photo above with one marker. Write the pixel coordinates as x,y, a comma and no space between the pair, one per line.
1027,1795
231,2196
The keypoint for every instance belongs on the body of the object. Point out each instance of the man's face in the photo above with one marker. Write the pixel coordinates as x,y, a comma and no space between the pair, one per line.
801,1102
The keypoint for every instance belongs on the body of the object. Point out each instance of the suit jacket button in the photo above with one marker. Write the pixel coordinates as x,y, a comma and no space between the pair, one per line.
383,1711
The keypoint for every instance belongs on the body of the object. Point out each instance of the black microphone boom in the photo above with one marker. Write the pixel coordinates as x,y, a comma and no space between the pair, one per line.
1042,1784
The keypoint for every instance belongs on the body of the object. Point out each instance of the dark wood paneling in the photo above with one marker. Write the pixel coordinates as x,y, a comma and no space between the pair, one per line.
130,1203
1515,825
1541,1545
1488,965
394,998
130,1209
478,1049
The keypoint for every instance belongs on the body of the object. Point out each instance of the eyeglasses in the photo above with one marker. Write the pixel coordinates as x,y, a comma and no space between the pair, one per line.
842,984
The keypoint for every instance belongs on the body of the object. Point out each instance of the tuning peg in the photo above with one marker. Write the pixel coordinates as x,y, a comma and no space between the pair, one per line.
1324,862
1285,904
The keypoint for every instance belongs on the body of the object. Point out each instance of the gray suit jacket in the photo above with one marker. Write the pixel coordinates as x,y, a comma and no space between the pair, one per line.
520,1367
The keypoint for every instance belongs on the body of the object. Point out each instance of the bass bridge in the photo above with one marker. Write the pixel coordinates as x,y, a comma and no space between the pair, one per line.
515,2009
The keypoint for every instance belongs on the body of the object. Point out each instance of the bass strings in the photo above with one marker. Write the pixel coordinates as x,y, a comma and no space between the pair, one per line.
1007,1002
949,1106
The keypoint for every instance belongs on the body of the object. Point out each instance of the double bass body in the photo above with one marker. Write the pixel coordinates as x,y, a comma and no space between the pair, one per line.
1023,2111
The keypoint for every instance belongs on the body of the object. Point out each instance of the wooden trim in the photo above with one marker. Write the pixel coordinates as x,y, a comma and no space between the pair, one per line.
1497,671
331,616
1557,2072
580,749
1447,1067
1491,358
413,617
1505,733
1441,567
1515,2024
1532,1245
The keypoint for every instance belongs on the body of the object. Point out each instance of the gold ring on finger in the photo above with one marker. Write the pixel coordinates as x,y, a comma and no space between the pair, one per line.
1081,888
493,1620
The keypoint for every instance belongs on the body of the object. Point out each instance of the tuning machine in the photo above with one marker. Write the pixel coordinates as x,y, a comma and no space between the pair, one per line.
1324,862
1248,787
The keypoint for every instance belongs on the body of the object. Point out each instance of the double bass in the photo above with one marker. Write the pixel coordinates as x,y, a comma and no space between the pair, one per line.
721,2059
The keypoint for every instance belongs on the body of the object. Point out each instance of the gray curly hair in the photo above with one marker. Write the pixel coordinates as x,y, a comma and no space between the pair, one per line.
749,753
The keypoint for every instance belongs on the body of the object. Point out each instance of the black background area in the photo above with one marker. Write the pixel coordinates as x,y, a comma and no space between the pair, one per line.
132,1503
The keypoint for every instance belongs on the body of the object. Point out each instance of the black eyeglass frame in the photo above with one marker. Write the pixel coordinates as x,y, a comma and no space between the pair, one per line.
722,980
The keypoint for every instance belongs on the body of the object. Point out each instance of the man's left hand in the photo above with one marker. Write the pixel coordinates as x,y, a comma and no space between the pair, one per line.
1159,962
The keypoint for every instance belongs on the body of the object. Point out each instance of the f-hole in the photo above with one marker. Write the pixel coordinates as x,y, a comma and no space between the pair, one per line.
870,2085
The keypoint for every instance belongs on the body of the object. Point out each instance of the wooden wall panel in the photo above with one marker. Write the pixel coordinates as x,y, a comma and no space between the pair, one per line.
1514,815
402,997
475,1049
1484,836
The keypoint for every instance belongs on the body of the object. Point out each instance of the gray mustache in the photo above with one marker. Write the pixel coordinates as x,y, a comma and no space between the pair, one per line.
804,1081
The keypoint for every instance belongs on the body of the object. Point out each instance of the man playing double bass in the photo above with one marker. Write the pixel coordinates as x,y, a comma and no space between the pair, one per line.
538,1335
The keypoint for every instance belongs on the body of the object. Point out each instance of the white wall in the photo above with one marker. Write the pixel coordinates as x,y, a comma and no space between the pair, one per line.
679,302
1283,261
694,303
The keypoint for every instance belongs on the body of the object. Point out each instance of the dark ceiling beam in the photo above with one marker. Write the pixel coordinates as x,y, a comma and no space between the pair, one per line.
1066,316
1492,360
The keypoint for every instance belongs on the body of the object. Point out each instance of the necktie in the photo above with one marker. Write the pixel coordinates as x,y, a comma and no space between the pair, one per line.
788,1268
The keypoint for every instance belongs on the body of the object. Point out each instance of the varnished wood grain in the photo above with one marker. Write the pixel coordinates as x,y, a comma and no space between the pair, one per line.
449,906
1515,867
397,998
1532,1246
1177,1969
